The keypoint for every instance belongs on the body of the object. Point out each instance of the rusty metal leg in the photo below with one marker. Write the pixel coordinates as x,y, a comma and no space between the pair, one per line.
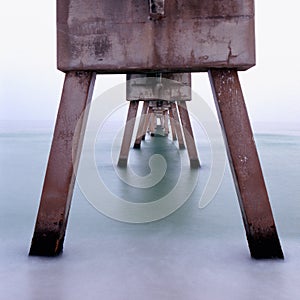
172,122
148,121
166,122
57,192
128,132
188,134
152,124
141,129
177,125
245,166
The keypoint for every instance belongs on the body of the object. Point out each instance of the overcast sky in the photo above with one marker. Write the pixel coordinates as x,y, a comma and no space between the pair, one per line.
30,85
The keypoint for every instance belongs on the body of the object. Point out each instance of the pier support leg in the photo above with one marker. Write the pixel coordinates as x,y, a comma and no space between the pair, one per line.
177,125
147,121
188,134
166,122
152,125
172,123
59,181
245,166
141,130
128,132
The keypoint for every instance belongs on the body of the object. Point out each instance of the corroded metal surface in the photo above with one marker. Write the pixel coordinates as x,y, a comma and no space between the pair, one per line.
128,132
174,114
172,123
188,134
57,192
245,166
142,126
156,9
159,86
119,37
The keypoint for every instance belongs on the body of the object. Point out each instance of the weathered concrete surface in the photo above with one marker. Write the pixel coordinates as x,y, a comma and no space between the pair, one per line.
188,134
119,37
64,156
128,132
245,166
160,86
142,126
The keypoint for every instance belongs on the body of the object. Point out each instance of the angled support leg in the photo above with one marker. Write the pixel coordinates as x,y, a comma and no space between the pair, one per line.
166,122
141,129
128,132
177,125
152,125
172,123
57,192
245,166
188,134
148,121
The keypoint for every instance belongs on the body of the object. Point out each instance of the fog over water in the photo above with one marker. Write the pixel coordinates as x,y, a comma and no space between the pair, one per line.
193,252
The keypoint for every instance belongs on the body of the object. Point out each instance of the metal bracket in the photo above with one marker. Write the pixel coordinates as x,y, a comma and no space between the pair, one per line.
156,9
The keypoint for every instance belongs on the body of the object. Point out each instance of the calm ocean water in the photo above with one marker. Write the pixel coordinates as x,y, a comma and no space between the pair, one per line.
191,252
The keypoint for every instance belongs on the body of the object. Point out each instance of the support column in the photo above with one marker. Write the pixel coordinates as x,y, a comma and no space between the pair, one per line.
59,181
245,166
188,134
177,125
141,130
172,123
147,121
128,132
152,125
166,122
